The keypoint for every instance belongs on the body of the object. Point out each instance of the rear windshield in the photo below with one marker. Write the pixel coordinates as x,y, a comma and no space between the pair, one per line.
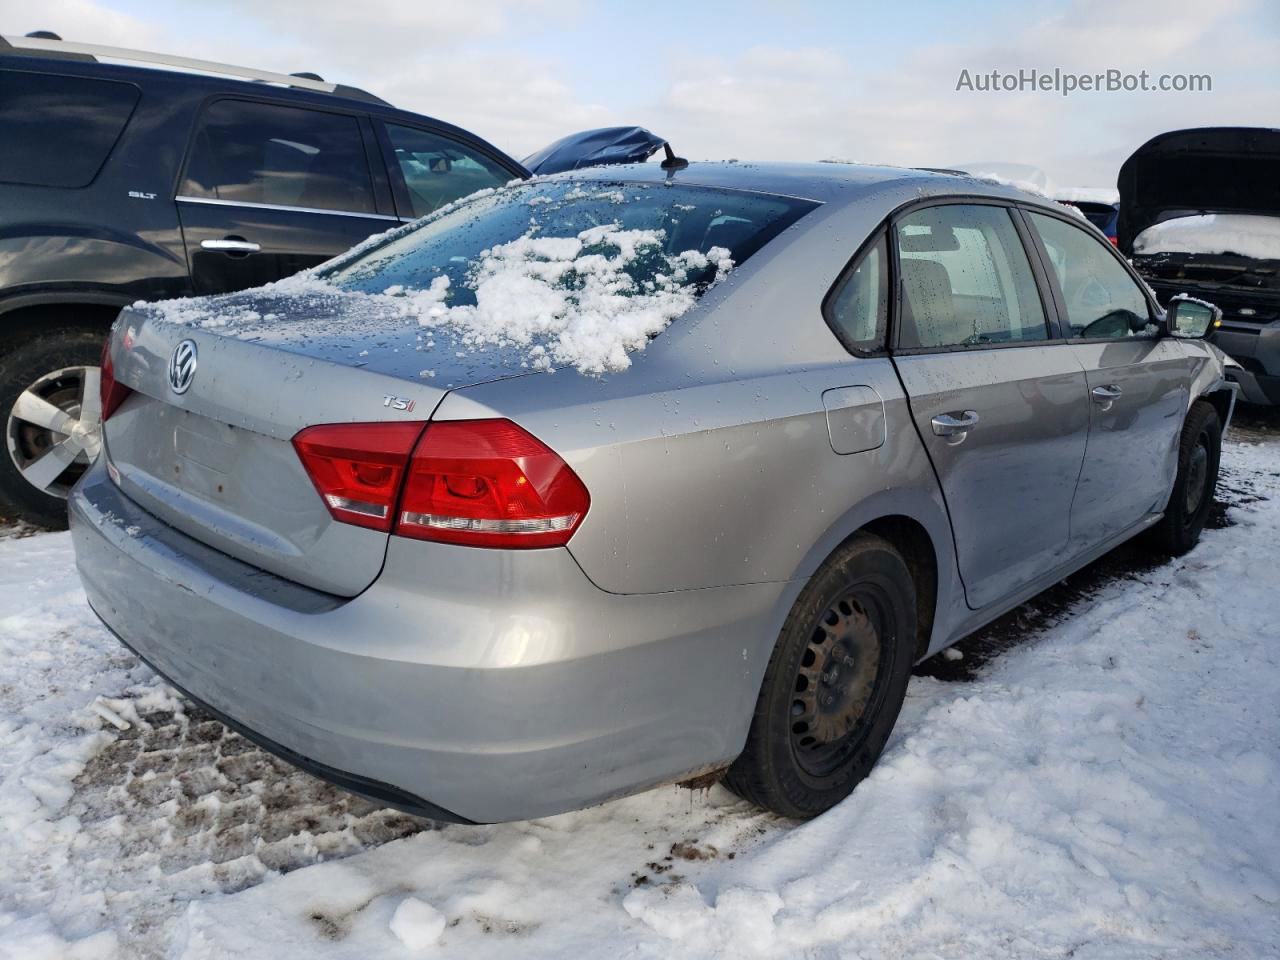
650,233
59,130
573,274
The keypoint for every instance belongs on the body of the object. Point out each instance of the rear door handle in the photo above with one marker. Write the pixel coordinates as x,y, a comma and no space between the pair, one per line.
1105,396
231,245
950,425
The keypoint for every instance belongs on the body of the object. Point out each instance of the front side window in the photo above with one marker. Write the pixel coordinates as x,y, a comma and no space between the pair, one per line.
437,171
1102,300
858,310
965,279
58,131
283,156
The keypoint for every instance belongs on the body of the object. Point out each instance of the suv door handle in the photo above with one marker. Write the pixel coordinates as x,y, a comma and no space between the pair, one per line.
949,425
1105,396
231,245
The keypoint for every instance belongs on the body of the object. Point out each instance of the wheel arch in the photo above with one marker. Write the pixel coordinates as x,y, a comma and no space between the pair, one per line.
910,538
26,315
1222,397
916,525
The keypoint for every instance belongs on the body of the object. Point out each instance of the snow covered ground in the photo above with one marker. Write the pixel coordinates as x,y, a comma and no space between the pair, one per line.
1096,777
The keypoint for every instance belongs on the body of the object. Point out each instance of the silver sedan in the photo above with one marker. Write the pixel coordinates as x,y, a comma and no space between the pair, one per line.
635,475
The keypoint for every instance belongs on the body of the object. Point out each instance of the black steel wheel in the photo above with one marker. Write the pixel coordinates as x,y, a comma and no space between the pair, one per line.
1199,451
834,685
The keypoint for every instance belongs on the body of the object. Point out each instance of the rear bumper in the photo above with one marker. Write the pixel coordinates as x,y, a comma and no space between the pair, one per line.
464,684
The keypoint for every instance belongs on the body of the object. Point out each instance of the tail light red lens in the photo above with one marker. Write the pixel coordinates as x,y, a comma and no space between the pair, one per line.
358,468
484,483
110,393
488,483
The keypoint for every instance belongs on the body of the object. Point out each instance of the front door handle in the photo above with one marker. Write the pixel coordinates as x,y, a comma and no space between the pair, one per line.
1106,395
231,245
950,425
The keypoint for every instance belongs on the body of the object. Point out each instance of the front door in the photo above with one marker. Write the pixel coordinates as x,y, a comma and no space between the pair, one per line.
1001,407
270,190
1137,383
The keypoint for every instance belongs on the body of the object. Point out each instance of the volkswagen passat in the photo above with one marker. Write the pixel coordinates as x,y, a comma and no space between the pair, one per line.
609,480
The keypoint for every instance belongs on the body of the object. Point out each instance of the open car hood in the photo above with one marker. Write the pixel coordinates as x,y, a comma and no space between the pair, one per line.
1205,170
590,148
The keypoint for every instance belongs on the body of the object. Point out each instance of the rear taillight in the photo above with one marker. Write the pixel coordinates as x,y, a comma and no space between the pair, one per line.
488,483
110,393
358,467
484,483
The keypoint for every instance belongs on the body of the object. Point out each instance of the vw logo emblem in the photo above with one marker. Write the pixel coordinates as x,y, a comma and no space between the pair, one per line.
182,366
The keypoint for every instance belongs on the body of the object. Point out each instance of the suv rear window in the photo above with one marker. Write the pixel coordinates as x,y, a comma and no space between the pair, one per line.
281,156
57,131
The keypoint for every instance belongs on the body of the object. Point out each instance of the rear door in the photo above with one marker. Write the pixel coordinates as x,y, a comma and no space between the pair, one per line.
271,189
1138,381
1000,404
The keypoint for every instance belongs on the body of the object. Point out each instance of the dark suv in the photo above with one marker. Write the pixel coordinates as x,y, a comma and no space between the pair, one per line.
125,183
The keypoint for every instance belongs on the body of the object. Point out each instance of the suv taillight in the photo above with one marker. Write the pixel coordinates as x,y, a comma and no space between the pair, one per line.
357,468
485,483
110,393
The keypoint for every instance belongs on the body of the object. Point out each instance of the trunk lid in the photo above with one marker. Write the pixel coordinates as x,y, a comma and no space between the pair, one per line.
216,460
1189,172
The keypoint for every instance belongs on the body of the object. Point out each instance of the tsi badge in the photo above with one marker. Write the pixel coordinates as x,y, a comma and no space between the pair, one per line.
182,366
397,403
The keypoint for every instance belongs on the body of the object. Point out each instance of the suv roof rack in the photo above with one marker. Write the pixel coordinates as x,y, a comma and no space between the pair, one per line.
64,49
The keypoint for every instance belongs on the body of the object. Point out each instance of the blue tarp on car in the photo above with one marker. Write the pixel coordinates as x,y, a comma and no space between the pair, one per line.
591,148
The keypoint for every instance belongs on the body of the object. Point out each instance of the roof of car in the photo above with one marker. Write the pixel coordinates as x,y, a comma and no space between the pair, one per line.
823,182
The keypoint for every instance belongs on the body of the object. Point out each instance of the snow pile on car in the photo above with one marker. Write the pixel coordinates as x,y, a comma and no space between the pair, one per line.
567,301
560,301
1246,235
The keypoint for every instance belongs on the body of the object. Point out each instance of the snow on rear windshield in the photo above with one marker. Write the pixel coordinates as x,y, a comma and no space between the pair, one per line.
573,274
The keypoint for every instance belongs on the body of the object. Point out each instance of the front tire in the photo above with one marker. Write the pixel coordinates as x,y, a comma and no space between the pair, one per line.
49,399
834,684
1199,453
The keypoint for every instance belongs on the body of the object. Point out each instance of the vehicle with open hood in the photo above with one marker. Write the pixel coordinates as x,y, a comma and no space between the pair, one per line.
1200,215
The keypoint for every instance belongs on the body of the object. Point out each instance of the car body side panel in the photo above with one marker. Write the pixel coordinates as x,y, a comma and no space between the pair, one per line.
1009,481
1132,456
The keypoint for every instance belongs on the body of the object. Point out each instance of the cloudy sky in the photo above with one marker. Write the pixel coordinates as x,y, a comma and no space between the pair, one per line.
871,81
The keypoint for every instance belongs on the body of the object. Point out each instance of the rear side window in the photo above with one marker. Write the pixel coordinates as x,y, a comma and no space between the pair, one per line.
58,131
857,311
437,171
966,280
1103,301
283,156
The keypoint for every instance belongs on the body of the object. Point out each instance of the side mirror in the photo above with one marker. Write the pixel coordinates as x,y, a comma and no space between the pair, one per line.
1190,319
441,165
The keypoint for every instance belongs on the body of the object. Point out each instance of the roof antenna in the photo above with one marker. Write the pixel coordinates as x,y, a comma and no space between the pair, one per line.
673,163
43,35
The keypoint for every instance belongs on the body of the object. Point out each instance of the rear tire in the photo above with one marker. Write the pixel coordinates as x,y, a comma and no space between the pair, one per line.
54,365
834,685
1199,453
